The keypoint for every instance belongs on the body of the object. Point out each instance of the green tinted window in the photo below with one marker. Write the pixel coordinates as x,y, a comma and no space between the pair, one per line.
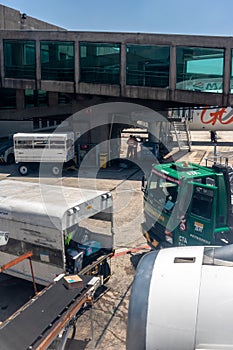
100,63
64,98
147,65
19,59
202,205
199,69
35,98
57,60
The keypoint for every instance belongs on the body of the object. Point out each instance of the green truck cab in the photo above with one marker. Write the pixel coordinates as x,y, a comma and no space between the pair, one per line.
188,204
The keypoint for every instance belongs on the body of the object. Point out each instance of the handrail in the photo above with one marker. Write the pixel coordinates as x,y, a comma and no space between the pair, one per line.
16,261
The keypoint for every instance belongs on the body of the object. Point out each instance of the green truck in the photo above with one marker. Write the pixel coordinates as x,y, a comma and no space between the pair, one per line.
188,204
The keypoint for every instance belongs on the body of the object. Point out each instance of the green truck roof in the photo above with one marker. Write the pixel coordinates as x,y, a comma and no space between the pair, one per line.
183,170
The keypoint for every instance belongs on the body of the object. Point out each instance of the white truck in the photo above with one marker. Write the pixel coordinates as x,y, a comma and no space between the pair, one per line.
53,150
67,229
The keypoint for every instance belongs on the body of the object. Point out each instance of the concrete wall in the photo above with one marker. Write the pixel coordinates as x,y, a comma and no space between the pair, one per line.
13,19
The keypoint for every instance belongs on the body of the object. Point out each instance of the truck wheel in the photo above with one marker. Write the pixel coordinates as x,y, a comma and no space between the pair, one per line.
56,170
23,169
10,158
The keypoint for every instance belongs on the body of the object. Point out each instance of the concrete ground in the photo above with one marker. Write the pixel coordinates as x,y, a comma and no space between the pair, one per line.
109,313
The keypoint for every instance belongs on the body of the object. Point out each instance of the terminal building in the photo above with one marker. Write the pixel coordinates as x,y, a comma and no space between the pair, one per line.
49,74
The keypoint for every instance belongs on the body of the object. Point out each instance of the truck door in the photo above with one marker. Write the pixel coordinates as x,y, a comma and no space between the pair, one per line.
197,225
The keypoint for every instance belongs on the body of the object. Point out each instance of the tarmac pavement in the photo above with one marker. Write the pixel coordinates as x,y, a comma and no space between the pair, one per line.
109,313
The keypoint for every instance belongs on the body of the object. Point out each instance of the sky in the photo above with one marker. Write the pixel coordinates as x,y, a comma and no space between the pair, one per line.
200,17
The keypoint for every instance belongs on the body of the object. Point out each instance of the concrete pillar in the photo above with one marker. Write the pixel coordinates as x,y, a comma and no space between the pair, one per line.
20,99
123,69
165,133
76,65
154,131
172,69
38,66
52,98
2,72
227,76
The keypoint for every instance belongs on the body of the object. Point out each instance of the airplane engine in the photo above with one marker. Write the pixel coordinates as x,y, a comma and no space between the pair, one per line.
181,299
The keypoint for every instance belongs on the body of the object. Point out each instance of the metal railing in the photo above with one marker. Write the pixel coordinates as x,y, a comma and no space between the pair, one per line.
219,158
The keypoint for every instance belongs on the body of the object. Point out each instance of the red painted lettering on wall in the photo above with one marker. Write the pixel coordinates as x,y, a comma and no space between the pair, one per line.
220,115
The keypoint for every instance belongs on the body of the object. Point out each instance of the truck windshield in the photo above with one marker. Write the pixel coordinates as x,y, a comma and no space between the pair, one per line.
163,190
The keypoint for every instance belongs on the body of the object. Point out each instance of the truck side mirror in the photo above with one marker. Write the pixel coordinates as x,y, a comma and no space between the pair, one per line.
143,187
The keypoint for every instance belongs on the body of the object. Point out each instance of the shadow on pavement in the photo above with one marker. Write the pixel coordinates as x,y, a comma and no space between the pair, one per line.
119,171
135,258
74,344
208,143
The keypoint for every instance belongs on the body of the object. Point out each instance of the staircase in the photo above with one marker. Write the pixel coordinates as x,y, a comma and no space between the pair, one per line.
182,134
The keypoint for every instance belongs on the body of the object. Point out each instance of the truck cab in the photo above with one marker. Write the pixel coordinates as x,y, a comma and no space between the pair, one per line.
187,204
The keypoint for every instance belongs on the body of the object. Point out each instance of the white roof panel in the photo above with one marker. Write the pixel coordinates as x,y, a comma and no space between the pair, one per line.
42,135
33,200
